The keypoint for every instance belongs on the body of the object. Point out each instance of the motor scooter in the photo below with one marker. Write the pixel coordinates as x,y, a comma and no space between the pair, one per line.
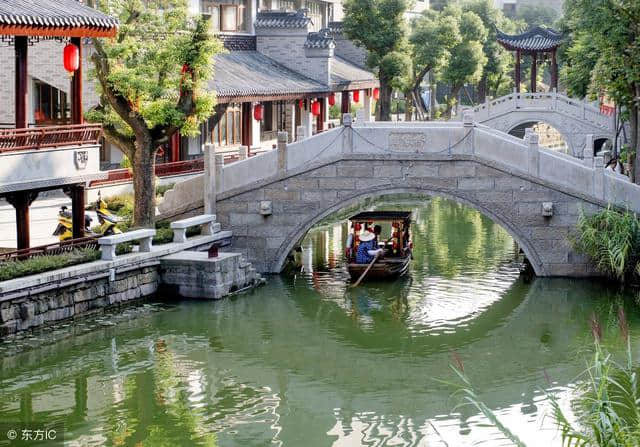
64,230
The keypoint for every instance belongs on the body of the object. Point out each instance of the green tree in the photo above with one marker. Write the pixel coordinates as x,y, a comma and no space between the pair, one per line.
379,26
433,36
151,79
608,31
467,57
495,75
538,15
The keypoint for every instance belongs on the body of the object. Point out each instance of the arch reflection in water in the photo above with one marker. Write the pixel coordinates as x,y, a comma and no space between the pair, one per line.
303,361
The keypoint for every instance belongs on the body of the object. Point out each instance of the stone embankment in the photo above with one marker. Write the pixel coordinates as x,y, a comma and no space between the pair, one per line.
181,268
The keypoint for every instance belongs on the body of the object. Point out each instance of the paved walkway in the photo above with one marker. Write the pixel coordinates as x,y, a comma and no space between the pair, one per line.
44,219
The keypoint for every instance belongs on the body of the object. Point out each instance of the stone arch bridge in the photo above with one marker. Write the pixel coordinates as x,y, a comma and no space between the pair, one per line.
580,123
270,201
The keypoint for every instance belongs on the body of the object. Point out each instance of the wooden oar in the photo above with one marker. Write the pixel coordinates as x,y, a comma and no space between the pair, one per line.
357,283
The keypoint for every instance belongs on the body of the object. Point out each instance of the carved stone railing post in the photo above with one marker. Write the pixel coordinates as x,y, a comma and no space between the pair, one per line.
282,152
243,152
533,152
598,177
301,133
219,179
347,141
209,179
587,152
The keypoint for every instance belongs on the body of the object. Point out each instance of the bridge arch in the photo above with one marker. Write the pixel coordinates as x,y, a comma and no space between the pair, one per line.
358,196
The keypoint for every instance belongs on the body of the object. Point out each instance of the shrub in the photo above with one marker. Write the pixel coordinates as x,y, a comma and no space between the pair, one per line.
121,204
612,240
39,264
163,236
161,189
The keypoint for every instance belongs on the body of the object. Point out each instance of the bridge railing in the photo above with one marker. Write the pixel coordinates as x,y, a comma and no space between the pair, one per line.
546,101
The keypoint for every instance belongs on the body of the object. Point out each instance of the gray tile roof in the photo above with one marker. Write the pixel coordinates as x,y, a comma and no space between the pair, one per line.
536,39
345,74
282,19
321,39
336,27
53,13
250,73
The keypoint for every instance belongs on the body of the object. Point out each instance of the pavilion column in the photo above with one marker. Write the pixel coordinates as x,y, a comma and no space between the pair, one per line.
247,125
345,104
21,201
76,87
517,71
534,71
554,70
22,74
77,210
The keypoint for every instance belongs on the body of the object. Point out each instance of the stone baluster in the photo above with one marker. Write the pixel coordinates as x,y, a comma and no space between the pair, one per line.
587,152
209,179
533,152
598,177
300,133
347,141
282,152
219,174
243,152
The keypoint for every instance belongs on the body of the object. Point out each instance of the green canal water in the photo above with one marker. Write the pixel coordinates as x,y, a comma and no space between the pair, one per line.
304,361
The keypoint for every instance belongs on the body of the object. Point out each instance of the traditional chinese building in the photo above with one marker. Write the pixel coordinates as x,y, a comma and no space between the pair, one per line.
46,145
540,44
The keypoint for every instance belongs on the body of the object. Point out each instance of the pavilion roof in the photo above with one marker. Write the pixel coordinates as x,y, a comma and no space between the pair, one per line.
60,18
536,39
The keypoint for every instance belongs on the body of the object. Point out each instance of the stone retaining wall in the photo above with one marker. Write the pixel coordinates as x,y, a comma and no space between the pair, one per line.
77,297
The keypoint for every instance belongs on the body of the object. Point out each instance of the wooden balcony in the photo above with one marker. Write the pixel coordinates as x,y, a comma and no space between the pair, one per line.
12,140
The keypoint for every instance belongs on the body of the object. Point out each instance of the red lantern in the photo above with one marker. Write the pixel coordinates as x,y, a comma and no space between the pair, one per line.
376,93
332,99
315,108
71,58
301,104
356,96
257,112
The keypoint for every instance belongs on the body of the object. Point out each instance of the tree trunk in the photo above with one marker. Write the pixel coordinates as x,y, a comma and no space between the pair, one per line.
408,106
144,182
384,103
453,99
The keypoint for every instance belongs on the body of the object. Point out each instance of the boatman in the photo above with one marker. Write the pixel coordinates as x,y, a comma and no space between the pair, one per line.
368,248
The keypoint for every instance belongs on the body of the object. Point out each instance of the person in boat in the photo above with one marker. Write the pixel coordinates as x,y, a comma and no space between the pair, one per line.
368,248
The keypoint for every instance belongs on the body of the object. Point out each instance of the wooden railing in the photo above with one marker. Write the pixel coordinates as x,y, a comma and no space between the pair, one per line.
161,170
49,137
56,248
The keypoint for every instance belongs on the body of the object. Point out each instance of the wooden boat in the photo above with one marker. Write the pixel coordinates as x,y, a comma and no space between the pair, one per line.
395,263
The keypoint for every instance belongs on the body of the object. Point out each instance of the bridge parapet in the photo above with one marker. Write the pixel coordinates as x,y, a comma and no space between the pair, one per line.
545,102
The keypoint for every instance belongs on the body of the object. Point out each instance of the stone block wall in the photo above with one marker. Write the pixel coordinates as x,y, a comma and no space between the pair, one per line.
301,199
80,297
192,274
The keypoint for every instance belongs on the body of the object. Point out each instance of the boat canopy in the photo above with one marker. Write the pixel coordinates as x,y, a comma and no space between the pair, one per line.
381,216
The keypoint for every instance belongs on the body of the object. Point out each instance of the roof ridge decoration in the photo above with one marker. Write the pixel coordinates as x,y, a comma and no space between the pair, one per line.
321,39
539,38
282,19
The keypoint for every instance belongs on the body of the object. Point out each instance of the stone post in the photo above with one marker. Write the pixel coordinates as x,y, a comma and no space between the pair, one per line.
467,118
282,152
367,105
347,142
533,152
209,179
219,179
300,133
307,120
598,177
243,152
587,152
360,116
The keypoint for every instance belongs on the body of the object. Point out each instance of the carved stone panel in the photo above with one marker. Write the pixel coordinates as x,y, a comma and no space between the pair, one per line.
407,141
